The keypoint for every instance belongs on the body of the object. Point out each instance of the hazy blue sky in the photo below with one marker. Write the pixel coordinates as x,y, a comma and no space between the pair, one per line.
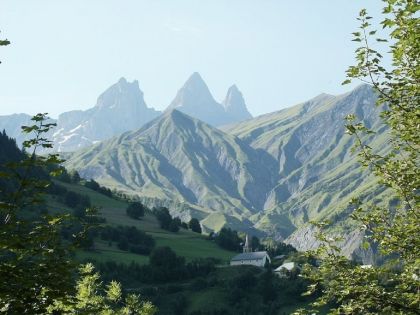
278,52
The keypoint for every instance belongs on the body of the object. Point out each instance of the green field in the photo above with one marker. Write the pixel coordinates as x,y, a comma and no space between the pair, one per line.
185,243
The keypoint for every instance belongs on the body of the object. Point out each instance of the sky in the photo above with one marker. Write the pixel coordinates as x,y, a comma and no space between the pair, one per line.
278,52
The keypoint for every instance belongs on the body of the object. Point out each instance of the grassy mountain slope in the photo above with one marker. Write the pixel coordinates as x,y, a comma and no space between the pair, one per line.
185,243
274,173
183,159
317,172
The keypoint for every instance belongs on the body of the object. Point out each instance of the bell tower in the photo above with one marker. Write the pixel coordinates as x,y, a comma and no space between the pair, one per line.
247,248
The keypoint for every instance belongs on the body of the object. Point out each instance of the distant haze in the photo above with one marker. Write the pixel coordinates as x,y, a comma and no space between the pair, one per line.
278,53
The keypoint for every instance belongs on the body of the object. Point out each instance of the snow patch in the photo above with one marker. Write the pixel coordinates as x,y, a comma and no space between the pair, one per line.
74,129
55,134
66,137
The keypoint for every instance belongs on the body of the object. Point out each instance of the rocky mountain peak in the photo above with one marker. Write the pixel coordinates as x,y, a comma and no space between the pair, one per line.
122,93
122,80
195,99
194,93
195,79
119,109
234,104
233,98
176,119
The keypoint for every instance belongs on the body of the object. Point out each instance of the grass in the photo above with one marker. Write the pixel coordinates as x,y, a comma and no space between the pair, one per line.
104,253
210,300
192,246
185,243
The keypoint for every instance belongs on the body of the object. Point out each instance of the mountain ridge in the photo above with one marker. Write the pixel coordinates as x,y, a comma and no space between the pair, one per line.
120,108
194,159
273,173
277,171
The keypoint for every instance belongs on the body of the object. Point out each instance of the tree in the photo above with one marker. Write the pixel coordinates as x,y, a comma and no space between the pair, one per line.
173,226
166,221
194,225
4,42
166,265
392,288
228,239
92,184
71,199
123,243
34,267
89,300
255,243
36,264
75,177
135,210
164,257
266,286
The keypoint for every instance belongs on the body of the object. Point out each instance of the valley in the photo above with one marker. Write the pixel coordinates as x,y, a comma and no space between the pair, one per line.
269,175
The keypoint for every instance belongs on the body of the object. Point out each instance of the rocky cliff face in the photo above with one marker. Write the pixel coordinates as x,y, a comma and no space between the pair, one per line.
235,106
305,239
120,108
275,172
317,173
181,158
195,100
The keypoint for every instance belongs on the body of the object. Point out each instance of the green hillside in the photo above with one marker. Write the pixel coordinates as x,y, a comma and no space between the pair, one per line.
184,160
271,174
318,173
185,243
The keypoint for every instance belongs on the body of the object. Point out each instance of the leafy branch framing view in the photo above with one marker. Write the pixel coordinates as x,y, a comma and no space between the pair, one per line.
40,274
391,288
37,267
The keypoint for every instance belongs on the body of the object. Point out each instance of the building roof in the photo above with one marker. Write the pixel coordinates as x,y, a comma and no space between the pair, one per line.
288,266
250,256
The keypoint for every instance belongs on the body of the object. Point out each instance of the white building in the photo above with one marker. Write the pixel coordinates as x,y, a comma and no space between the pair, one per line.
258,259
248,257
284,269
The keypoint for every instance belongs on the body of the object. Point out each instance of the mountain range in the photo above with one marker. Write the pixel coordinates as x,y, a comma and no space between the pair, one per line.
122,108
271,174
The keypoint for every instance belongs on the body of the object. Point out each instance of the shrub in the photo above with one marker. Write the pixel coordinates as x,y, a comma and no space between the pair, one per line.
194,225
135,210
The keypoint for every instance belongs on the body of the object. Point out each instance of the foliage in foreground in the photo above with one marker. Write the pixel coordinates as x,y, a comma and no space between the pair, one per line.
4,42
36,265
92,298
394,287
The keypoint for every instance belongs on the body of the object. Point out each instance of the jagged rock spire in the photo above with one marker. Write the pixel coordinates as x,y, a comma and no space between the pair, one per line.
234,104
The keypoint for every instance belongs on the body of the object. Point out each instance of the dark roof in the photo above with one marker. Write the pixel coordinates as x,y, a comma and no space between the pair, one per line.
250,256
